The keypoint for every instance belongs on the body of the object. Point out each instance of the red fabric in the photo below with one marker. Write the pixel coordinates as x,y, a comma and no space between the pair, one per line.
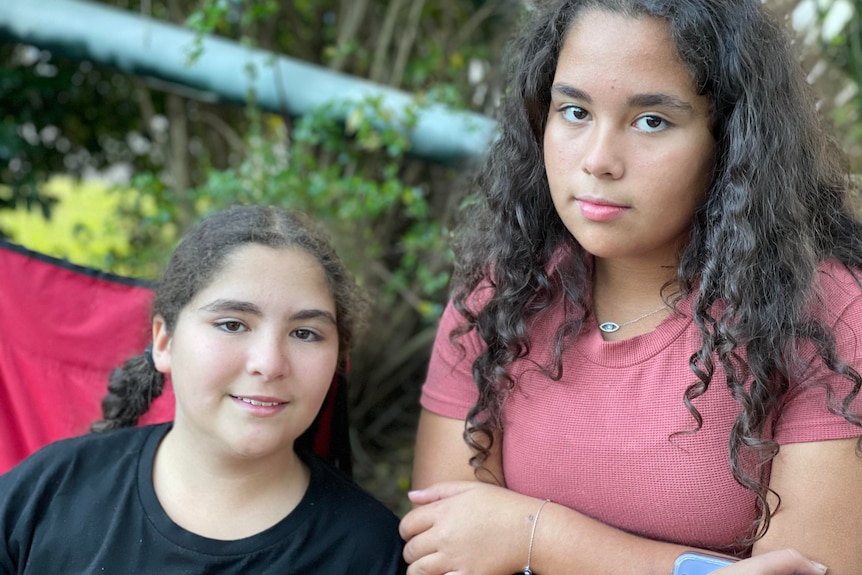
63,328
323,436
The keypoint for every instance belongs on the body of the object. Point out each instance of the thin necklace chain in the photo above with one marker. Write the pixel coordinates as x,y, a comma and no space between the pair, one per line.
611,326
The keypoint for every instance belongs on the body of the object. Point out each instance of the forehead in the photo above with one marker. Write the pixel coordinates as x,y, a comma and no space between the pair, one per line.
615,48
289,275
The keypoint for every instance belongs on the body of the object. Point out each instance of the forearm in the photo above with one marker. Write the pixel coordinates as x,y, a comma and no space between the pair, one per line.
573,543
452,520
567,542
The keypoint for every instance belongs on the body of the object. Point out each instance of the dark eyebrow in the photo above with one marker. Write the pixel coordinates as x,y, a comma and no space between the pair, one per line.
315,314
223,305
660,101
230,305
657,100
571,92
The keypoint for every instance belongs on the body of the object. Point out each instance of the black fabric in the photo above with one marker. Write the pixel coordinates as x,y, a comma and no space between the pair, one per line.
87,505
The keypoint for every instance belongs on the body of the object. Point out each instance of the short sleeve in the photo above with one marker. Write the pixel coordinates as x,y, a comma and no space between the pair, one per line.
449,390
806,415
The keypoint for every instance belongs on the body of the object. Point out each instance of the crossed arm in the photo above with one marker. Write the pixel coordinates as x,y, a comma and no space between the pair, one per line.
464,526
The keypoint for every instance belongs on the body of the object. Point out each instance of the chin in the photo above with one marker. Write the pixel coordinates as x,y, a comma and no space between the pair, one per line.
604,251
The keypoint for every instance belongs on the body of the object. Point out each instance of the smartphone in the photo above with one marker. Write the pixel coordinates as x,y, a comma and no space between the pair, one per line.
690,563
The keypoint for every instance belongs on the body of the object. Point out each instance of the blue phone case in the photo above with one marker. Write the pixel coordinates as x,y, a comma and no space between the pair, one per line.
698,564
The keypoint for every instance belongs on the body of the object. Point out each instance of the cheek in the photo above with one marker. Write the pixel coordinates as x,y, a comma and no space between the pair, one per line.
699,159
556,167
314,394
690,168
316,370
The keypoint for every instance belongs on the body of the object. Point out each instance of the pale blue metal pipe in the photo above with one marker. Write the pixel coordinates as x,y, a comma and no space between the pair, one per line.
144,46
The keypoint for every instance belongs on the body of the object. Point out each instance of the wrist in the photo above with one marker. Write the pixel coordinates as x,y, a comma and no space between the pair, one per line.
534,523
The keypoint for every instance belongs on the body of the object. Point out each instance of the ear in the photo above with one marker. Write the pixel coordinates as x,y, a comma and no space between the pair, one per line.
161,345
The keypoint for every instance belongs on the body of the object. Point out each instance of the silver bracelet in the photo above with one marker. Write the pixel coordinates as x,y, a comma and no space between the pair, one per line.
527,570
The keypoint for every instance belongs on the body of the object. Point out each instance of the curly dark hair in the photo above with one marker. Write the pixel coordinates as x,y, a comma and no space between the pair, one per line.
777,207
195,263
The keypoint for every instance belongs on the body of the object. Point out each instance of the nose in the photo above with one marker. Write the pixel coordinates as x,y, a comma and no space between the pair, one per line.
267,357
603,156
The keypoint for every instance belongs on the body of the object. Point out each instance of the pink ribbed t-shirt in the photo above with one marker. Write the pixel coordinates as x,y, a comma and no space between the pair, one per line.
604,439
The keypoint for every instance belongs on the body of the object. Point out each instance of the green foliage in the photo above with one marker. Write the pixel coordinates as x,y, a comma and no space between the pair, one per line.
39,138
349,175
223,16
84,228
844,50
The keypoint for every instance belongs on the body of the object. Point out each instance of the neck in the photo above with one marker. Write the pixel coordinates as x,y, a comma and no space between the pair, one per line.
630,281
630,296
221,497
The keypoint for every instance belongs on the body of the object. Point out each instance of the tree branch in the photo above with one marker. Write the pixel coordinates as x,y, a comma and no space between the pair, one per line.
407,41
352,13
379,61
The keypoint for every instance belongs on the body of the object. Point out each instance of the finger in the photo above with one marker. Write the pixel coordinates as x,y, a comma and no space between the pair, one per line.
433,564
781,562
420,546
439,491
414,522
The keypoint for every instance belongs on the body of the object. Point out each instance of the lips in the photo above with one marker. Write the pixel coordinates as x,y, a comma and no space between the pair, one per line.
599,209
598,201
259,401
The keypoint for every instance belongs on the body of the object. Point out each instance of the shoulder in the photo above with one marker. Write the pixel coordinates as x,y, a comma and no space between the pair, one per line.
345,494
474,302
363,530
76,459
82,478
836,275
838,304
810,411
838,287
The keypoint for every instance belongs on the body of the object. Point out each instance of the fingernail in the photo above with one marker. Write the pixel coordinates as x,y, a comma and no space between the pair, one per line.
819,566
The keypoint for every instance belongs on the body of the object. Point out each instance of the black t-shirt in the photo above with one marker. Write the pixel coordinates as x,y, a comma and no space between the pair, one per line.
87,506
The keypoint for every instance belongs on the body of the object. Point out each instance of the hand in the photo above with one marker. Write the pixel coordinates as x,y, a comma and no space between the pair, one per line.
781,562
468,528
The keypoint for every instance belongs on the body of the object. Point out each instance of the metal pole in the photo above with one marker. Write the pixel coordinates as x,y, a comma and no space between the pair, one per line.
143,46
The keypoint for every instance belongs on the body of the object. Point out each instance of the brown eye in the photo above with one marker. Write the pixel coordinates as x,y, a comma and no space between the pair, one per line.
231,326
575,113
652,123
306,335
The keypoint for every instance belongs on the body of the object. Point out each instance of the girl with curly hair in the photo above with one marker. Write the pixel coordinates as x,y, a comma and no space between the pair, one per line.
654,338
